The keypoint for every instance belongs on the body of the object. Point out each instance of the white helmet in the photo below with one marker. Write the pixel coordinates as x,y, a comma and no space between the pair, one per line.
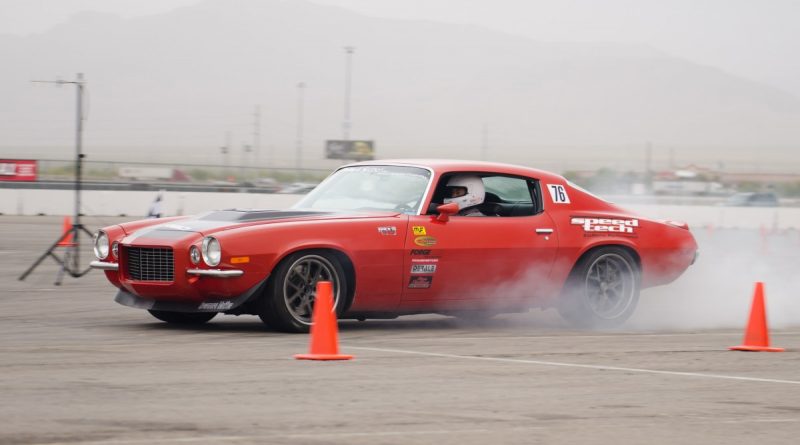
465,190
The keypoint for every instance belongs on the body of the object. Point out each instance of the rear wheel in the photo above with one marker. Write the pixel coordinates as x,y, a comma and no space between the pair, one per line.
288,303
183,318
602,290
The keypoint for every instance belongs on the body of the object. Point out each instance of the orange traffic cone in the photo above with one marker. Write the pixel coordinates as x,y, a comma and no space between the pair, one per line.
756,336
324,331
67,240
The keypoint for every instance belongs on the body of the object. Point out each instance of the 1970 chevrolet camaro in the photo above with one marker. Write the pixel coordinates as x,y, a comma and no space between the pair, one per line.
382,233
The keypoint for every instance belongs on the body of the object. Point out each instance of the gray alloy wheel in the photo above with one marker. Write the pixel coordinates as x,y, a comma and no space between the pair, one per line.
300,285
609,285
288,301
603,289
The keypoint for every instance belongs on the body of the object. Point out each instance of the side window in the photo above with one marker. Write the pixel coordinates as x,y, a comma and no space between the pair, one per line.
510,196
505,195
508,189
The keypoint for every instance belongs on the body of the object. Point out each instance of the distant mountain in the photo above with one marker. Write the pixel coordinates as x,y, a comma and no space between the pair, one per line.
173,84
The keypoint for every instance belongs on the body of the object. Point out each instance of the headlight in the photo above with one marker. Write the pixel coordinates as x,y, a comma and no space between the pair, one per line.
212,253
194,255
101,245
115,249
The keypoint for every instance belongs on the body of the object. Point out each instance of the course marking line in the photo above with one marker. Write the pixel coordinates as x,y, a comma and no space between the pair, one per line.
578,365
607,336
214,439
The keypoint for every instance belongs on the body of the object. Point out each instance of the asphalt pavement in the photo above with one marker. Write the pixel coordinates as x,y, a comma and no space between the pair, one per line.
77,368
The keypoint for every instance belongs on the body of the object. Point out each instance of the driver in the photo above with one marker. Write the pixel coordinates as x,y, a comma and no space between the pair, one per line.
468,192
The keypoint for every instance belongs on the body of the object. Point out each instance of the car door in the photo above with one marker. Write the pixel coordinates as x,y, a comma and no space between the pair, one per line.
503,259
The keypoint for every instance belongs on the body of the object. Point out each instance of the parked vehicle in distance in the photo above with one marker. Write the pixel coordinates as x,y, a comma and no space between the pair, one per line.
753,199
298,188
268,185
469,239
153,174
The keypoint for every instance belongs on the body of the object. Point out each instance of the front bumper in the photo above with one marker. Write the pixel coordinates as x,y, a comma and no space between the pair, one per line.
102,265
228,273
126,298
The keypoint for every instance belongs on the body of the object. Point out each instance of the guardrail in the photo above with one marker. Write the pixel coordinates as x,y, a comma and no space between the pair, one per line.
107,202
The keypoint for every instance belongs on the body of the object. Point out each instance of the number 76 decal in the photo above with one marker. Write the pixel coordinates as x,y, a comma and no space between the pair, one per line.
558,193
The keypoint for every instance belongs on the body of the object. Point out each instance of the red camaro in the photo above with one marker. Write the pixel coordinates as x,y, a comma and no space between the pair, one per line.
469,239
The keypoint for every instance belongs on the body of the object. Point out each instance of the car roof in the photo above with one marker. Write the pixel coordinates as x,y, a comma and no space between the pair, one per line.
448,165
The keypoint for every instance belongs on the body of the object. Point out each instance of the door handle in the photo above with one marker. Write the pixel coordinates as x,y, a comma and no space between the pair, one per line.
544,231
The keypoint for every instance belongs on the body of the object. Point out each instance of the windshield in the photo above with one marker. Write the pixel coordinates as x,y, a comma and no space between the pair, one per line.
370,187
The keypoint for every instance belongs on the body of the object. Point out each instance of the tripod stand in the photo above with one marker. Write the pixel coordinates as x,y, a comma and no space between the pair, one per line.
70,263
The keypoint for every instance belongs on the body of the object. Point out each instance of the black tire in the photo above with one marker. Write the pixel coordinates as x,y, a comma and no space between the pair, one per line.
183,318
602,290
288,300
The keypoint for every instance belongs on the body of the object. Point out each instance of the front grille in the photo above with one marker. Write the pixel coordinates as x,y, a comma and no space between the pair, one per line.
150,263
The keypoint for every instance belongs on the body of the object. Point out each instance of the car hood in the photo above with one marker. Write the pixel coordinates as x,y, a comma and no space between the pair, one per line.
227,219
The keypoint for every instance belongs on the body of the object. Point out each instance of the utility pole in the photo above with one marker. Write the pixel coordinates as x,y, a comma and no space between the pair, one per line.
257,136
226,153
348,71
648,168
485,142
246,150
301,86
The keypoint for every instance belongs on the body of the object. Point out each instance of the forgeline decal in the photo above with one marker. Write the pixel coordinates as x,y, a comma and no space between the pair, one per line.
387,230
421,282
419,230
422,252
424,265
216,306
425,241
598,226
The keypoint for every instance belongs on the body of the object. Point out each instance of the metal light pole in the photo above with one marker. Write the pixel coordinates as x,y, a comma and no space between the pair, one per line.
299,147
348,71
485,143
257,136
246,150
227,152
71,261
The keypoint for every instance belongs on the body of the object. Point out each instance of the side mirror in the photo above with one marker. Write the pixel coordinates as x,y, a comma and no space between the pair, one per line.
445,210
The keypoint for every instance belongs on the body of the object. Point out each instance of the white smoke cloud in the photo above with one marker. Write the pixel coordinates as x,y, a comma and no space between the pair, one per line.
717,291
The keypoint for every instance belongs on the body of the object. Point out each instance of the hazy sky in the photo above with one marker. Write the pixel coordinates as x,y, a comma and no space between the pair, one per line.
757,39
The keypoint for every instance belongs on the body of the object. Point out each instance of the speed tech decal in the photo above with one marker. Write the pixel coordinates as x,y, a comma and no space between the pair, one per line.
419,230
603,225
425,241
387,230
424,266
558,193
421,282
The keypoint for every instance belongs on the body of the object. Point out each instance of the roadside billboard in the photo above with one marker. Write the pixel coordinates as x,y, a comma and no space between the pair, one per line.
355,150
17,170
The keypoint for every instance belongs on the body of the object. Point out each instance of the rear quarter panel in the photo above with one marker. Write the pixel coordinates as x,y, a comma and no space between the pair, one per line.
664,251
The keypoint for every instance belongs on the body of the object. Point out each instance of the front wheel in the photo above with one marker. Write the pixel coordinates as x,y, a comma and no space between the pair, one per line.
602,290
183,318
288,303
